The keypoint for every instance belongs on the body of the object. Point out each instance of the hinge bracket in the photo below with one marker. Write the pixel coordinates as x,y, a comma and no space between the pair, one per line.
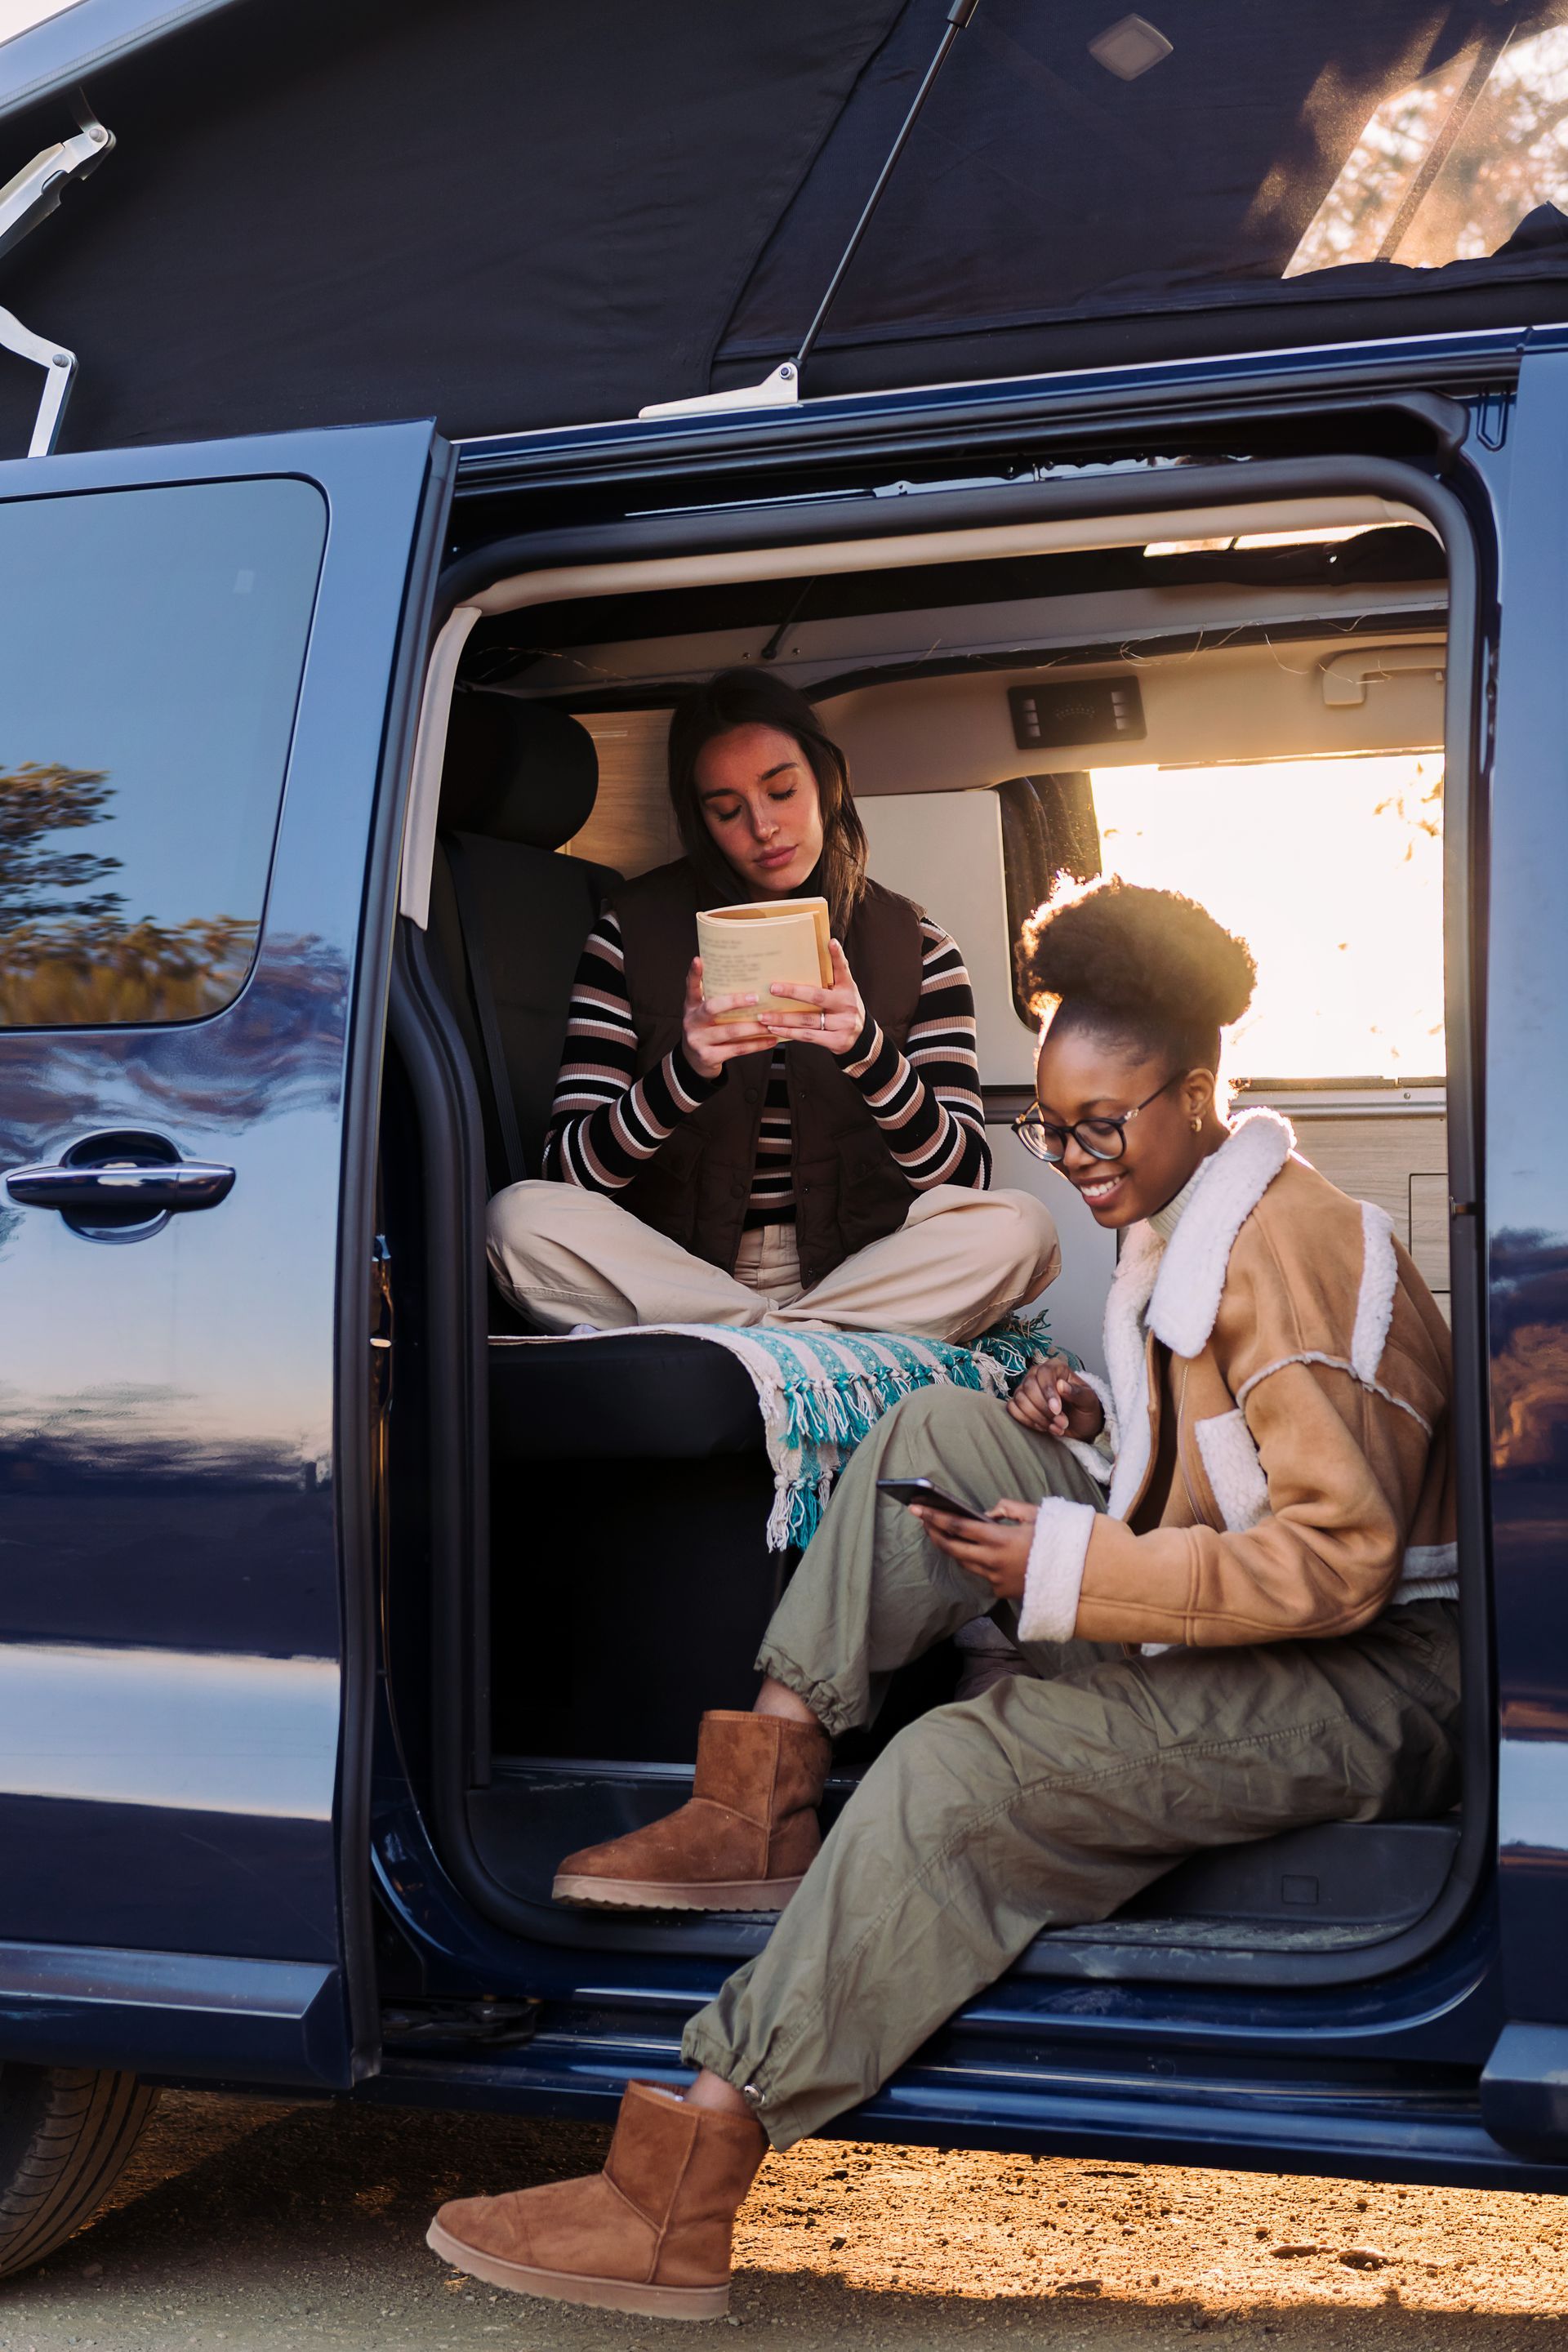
24,201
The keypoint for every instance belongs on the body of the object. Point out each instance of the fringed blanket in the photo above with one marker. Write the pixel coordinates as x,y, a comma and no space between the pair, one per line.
820,1391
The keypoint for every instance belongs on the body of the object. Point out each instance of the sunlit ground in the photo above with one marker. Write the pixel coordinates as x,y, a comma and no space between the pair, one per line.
1332,871
1227,2242
245,2228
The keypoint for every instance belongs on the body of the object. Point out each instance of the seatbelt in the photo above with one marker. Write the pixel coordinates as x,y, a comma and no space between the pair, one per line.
473,932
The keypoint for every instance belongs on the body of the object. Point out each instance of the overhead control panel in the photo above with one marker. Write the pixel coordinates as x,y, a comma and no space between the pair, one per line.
1076,710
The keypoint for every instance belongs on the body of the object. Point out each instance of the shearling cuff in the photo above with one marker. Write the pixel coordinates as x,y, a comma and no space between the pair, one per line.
1112,1433
1098,1466
1048,1611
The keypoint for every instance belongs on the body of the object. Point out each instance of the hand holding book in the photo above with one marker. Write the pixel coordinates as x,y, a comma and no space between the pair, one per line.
767,975
719,1029
833,1017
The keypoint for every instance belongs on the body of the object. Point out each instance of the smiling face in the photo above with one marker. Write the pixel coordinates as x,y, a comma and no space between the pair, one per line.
760,803
1081,1077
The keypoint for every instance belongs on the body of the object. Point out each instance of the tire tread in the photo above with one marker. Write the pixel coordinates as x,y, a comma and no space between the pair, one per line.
76,2127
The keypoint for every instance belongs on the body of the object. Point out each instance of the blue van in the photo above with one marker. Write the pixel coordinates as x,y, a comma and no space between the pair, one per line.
1183,475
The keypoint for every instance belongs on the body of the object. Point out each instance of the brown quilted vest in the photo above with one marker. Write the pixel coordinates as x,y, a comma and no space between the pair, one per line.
849,1189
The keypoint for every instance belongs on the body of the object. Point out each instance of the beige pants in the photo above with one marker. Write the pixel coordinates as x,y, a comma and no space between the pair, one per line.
959,1261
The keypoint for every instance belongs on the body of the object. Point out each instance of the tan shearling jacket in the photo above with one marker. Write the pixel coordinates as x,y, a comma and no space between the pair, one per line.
1309,1371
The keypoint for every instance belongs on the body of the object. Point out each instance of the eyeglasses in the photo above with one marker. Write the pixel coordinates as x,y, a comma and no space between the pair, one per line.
1102,1139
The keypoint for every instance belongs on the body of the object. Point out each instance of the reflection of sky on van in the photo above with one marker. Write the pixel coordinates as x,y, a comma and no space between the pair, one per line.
138,1344
1332,871
158,636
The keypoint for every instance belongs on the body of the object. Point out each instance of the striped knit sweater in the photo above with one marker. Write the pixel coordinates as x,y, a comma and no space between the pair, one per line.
605,1123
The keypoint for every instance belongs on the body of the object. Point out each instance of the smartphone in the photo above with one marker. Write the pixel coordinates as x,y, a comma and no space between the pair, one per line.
922,1490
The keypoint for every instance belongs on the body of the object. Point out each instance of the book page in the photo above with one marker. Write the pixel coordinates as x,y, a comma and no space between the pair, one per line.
744,950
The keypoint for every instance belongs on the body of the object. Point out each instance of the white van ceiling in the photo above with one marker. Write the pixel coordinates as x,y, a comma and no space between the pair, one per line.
1203,708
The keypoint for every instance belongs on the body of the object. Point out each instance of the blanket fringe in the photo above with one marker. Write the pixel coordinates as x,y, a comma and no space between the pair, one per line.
817,1408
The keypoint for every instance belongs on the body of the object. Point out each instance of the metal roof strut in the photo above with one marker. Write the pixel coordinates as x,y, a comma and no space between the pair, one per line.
24,201
781,389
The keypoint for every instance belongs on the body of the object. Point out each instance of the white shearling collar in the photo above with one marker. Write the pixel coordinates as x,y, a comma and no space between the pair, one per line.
1191,1278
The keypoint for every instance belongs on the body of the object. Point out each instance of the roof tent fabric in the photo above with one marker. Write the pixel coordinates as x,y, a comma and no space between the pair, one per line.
510,215
1042,190
1073,185
497,212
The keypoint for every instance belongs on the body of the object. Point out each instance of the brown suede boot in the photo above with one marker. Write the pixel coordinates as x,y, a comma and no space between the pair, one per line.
650,2233
743,1843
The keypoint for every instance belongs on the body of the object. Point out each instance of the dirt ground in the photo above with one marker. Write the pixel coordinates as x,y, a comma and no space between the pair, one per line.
263,2228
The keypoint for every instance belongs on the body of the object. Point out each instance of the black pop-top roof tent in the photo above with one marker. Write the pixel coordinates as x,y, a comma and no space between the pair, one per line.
508,214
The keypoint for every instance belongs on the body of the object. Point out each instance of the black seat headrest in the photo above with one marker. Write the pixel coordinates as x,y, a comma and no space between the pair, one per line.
517,771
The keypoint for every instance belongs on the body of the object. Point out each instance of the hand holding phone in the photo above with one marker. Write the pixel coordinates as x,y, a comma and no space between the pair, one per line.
993,1544
925,1490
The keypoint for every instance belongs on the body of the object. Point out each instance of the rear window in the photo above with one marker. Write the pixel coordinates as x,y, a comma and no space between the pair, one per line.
1331,869
150,666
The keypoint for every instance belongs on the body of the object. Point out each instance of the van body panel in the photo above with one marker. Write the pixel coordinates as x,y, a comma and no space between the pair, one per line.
1423,381
172,1617
1526,1209
260,2021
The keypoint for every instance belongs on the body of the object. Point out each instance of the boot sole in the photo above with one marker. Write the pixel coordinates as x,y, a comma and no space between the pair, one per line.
570,2287
674,1895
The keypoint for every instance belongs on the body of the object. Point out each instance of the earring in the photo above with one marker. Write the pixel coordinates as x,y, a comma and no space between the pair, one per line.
1197,1124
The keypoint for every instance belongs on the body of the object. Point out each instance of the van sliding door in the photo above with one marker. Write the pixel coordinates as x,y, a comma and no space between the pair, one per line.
202,731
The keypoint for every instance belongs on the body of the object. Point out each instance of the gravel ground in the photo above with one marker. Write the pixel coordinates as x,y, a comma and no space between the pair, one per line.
261,2229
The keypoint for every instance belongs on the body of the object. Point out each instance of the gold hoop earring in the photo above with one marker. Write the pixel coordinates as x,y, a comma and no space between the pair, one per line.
1197,1125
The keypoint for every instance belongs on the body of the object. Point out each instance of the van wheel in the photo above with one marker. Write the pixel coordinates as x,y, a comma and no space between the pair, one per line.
65,2134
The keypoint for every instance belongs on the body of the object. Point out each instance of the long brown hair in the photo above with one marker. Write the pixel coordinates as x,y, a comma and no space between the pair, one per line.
753,697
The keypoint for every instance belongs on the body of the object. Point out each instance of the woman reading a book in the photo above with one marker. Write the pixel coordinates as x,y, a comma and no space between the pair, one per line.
813,1153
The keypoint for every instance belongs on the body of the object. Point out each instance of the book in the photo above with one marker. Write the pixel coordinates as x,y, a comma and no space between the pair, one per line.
745,948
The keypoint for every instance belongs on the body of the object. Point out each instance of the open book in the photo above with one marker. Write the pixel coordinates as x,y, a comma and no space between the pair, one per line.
745,948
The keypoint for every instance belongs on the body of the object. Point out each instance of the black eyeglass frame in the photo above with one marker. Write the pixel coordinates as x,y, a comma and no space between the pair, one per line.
1031,1124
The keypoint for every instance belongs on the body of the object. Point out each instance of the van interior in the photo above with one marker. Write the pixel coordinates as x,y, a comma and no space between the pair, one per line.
1251,711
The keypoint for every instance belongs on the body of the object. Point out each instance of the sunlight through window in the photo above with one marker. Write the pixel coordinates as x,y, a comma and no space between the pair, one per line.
1446,169
1332,870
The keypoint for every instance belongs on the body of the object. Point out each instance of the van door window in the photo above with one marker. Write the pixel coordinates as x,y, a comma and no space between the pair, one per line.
148,671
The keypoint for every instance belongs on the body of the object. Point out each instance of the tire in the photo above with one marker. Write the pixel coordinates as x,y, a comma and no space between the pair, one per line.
65,2134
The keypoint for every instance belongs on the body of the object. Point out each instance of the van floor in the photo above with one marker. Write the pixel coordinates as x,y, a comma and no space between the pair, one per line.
1335,1887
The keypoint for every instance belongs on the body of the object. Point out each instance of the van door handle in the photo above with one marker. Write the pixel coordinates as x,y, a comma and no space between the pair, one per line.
124,1184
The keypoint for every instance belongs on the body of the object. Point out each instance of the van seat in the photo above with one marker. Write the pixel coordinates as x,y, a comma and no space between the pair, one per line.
620,1661
509,912
673,1399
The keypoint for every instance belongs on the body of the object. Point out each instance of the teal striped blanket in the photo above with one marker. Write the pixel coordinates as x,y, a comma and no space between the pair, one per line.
820,1391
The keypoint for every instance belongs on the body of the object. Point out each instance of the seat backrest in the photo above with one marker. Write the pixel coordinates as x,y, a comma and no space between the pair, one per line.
509,914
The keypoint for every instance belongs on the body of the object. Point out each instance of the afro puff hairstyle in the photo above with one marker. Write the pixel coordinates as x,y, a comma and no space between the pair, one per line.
1143,967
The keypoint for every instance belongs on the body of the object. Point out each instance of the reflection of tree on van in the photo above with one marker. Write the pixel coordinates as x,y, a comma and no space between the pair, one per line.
69,956
36,802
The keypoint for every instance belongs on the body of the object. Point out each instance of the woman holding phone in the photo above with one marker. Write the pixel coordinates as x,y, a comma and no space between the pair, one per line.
822,1161
1229,1571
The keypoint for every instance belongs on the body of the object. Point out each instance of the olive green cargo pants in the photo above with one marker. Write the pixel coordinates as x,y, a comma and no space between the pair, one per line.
1050,1801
